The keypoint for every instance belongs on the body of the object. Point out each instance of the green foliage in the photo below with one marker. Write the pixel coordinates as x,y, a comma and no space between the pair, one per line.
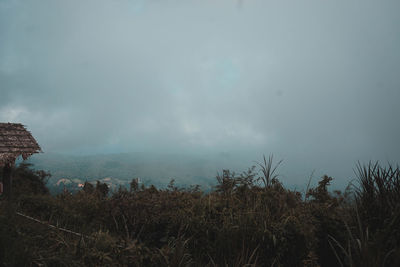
27,181
248,220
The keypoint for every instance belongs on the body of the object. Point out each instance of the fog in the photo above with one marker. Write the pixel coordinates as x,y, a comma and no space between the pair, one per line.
316,83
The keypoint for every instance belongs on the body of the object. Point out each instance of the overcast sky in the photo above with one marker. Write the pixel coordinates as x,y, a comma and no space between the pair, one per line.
317,83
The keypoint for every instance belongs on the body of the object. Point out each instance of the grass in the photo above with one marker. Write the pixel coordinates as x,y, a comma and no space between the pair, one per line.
248,219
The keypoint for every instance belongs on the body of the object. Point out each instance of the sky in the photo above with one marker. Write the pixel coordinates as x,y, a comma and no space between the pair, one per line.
316,83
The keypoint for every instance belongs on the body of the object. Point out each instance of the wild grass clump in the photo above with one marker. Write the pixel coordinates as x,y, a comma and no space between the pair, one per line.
249,219
372,222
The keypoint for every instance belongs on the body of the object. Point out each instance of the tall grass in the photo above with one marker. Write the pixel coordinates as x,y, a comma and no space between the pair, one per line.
372,221
269,176
249,219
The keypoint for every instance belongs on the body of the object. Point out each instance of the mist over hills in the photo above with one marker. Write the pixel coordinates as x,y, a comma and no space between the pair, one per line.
157,169
186,169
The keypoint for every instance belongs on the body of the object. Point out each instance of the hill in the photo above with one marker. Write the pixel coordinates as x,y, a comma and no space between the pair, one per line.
157,169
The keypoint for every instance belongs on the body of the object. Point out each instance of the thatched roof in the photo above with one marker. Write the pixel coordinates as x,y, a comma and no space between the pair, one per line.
15,141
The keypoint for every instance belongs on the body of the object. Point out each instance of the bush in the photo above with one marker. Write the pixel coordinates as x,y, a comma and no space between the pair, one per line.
246,221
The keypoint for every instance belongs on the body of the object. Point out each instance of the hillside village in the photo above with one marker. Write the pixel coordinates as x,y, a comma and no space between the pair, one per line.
73,185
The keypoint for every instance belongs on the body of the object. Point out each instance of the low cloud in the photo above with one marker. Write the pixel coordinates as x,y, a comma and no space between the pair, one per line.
316,83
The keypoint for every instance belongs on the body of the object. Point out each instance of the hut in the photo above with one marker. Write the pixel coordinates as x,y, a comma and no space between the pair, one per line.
15,141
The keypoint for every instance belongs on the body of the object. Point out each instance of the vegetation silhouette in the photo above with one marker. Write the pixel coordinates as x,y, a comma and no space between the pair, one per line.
248,219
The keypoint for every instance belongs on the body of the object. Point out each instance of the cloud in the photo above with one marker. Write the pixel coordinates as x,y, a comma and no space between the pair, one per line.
306,79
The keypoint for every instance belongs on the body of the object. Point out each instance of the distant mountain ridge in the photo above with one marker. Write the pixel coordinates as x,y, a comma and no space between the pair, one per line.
156,169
